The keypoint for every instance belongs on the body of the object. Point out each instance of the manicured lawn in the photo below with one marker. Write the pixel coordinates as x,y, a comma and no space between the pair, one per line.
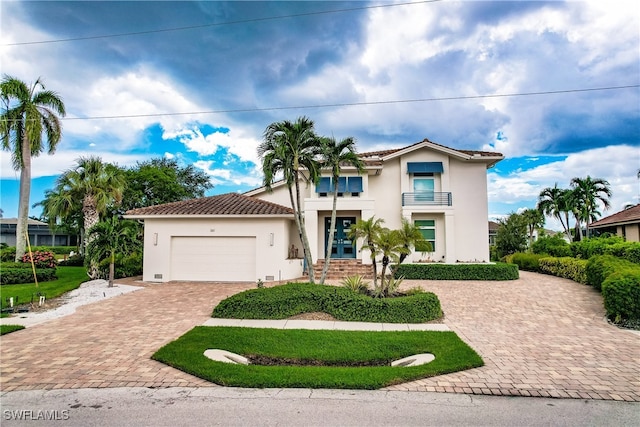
7,329
69,278
341,349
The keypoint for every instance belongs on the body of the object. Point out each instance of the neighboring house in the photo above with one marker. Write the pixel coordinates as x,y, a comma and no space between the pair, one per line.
235,237
493,232
625,223
39,234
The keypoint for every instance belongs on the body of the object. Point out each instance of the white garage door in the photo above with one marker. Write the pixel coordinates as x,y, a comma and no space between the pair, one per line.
213,258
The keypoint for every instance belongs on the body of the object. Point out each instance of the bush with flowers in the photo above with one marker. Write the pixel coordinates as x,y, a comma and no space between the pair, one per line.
41,259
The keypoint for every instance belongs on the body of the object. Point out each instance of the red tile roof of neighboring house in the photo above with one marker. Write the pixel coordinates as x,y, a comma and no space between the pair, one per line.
224,204
628,215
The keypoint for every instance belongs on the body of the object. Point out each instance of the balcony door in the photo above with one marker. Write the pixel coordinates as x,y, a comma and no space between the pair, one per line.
342,246
423,187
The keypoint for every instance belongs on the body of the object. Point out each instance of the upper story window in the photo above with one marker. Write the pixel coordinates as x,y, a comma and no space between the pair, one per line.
424,167
347,185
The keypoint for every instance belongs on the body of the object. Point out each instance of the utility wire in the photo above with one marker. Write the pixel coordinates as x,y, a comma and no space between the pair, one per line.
219,24
352,104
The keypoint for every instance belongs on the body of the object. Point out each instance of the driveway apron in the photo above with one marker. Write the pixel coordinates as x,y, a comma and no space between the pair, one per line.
539,336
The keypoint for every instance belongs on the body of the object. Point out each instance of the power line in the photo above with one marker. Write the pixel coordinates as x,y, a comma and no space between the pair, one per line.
352,104
219,24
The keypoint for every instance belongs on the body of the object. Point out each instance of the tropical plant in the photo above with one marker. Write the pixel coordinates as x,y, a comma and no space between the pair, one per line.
28,113
61,210
355,284
290,148
335,155
588,194
554,201
368,230
111,237
534,220
410,235
390,246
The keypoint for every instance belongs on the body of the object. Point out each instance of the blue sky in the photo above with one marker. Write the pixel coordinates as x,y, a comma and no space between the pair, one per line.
231,73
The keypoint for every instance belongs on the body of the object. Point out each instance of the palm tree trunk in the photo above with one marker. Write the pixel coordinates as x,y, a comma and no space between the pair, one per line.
22,227
91,218
332,231
112,268
373,263
303,231
568,229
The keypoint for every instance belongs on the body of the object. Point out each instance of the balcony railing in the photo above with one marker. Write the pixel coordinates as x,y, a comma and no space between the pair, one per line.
426,198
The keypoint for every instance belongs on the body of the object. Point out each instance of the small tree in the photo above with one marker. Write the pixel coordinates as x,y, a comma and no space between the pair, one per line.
391,246
512,235
534,220
368,230
410,235
111,237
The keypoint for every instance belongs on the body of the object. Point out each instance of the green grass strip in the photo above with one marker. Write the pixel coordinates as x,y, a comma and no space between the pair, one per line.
69,278
7,329
334,347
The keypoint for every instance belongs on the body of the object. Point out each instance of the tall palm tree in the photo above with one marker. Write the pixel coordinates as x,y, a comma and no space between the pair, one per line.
590,192
554,201
98,186
334,155
290,148
534,219
111,237
28,113
368,230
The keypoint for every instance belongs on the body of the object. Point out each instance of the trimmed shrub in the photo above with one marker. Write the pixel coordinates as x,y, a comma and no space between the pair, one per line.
594,246
621,294
528,262
552,245
565,267
76,260
599,267
8,254
436,271
12,276
58,250
125,266
291,299
41,259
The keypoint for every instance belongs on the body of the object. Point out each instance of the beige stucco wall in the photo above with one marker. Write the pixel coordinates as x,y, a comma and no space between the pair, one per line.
631,232
270,260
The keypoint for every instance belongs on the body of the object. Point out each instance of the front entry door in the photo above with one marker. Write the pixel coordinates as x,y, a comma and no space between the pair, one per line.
342,246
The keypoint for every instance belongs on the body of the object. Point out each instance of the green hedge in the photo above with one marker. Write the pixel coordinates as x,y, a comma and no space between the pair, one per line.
599,267
12,276
615,246
437,271
566,267
621,294
288,300
552,246
526,261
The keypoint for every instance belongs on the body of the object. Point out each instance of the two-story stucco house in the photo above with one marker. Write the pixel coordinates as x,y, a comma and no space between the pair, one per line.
245,237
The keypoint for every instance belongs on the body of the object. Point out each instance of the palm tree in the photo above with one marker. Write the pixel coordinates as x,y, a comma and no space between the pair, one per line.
368,229
534,219
390,246
61,210
28,112
290,148
588,192
553,201
97,185
410,235
334,155
111,237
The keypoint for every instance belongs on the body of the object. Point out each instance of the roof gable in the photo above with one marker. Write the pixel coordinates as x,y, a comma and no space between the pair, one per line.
223,204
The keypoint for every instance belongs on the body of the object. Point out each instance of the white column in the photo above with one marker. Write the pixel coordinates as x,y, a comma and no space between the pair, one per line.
449,237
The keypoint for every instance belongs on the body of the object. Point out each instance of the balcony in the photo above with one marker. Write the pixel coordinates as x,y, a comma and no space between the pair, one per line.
429,198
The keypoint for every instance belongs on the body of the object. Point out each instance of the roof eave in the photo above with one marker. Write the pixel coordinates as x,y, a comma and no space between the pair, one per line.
192,216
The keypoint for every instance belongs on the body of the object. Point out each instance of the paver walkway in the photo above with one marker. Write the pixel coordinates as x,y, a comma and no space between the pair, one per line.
538,336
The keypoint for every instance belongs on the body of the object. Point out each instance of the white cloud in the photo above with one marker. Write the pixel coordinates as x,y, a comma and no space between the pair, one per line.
227,176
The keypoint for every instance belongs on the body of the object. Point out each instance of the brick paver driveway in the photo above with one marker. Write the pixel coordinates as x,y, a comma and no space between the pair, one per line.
538,336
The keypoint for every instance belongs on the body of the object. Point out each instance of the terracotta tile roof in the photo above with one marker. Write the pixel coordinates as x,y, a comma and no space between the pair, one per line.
224,204
383,153
631,214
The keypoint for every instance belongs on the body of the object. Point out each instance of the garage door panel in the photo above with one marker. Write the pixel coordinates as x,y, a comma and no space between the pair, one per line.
213,258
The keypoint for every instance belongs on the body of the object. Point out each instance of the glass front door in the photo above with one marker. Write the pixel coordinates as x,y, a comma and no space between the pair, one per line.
342,246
